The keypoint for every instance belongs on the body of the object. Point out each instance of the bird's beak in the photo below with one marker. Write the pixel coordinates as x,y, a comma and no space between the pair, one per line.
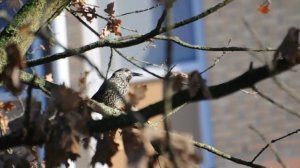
136,74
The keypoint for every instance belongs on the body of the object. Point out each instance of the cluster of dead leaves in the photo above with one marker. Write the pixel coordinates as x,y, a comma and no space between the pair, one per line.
106,148
19,156
67,128
113,24
12,70
148,148
7,106
86,11
192,81
288,50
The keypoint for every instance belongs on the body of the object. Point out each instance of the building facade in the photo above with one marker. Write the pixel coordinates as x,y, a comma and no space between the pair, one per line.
222,123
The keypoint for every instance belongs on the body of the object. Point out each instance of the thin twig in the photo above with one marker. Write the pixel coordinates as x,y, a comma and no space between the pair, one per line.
180,42
273,141
198,17
292,93
216,60
138,11
133,63
126,41
83,22
162,66
277,104
91,64
109,63
154,124
275,152
21,103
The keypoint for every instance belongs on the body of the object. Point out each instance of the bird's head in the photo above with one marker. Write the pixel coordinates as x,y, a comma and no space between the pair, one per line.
125,74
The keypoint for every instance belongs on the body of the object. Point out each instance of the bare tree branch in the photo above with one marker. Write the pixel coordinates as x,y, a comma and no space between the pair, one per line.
126,41
278,158
273,141
225,155
178,41
281,106
139,11
133,63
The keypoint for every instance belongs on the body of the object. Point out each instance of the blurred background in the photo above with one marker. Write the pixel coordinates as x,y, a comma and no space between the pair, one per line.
222,123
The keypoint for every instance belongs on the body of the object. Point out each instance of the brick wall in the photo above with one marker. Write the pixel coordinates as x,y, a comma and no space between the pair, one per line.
233,114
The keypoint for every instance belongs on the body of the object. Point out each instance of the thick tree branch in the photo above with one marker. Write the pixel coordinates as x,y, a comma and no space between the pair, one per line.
246,80
32,16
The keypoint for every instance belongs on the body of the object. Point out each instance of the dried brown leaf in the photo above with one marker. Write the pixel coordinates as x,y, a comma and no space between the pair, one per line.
86,11
196,84
65,99
61,145
7,106
288,49
178,80
104,32
110,9
113,26
147,148
12,70
136,94
134,146
182,147
106,148
90,14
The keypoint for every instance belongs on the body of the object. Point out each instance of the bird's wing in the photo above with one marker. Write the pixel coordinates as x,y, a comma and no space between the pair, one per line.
97,95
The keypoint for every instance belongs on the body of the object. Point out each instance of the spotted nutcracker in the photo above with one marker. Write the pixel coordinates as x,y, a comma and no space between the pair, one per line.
113,91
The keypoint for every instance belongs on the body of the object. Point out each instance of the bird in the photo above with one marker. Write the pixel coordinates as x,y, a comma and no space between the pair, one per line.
112,93
113,90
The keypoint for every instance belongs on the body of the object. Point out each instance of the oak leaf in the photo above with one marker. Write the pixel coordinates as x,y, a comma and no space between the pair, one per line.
197,83
110,9
106,148
288,50
7,106
65,99
178,80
